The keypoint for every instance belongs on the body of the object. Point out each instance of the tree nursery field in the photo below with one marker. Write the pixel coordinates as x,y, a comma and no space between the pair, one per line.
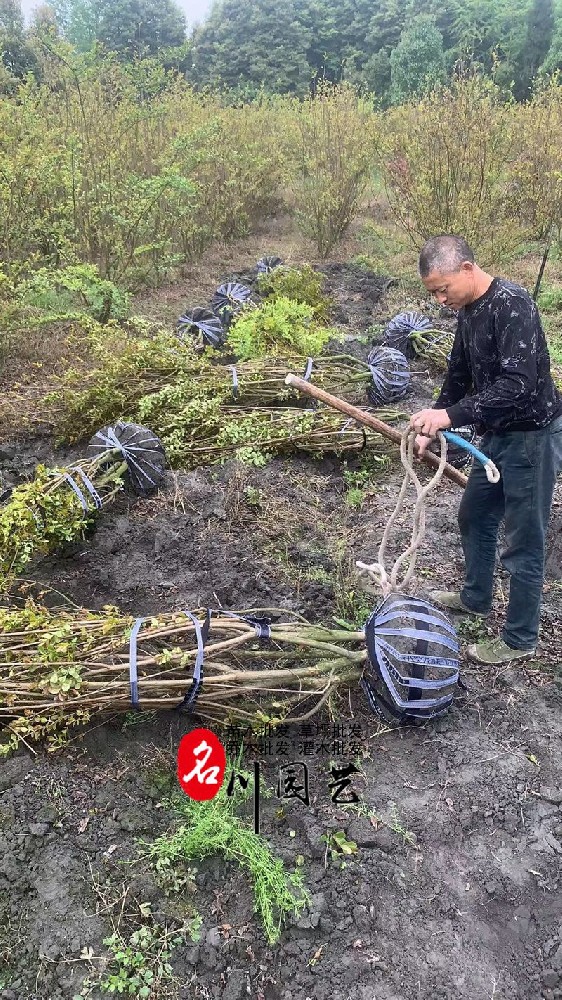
179,537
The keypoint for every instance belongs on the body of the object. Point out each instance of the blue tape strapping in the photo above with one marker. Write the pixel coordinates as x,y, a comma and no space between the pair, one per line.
263,629
412,633
308,369
202,635
428,619
262,632
68,478
389,673
234,382
417,607
441,664
200,648
89,486
133,676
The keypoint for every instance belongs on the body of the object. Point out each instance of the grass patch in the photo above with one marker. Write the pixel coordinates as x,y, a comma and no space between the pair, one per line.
138,964
354,497
472,630
211,828
352,606
361,473
550,299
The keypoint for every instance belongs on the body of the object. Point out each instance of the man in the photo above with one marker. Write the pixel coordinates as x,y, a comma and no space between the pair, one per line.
498,379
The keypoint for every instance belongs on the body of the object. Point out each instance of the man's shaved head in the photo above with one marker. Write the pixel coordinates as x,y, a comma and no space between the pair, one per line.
444,254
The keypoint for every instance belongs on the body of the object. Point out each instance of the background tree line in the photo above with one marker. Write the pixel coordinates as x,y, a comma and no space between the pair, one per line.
392,48
396,49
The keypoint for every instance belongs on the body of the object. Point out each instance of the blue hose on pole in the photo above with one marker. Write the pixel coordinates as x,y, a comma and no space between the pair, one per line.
491,470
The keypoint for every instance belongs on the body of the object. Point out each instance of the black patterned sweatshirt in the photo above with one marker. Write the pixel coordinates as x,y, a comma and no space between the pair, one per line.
500,357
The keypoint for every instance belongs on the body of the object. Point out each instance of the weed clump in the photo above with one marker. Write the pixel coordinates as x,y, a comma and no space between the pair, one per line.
300,284
280,326
213,827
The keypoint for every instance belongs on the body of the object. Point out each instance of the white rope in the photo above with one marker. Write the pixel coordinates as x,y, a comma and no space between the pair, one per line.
389,582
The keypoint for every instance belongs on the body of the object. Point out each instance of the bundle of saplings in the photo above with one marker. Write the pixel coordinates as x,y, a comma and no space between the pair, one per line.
59,505
166,376
201,431
59,669
292,287
124,373
412,334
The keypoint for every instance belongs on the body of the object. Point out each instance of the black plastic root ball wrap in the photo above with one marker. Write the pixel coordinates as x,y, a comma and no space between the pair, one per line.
390,371
398,332
413,669
229,299
202,327
141,450
266,265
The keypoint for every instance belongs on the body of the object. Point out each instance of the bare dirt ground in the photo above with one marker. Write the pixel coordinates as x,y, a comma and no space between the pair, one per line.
455,888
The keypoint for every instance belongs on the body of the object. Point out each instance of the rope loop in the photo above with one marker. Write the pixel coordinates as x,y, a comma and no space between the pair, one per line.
388,582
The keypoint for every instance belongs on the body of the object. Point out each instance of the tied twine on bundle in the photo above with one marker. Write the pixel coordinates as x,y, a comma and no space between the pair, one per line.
389,582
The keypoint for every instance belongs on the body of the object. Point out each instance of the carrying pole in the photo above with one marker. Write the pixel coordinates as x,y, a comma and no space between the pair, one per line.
362,417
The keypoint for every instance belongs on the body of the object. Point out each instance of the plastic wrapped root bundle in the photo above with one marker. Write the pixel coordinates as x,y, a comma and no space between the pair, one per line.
390,372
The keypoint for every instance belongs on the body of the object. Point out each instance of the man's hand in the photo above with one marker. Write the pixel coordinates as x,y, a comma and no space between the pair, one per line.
429,422
421,444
